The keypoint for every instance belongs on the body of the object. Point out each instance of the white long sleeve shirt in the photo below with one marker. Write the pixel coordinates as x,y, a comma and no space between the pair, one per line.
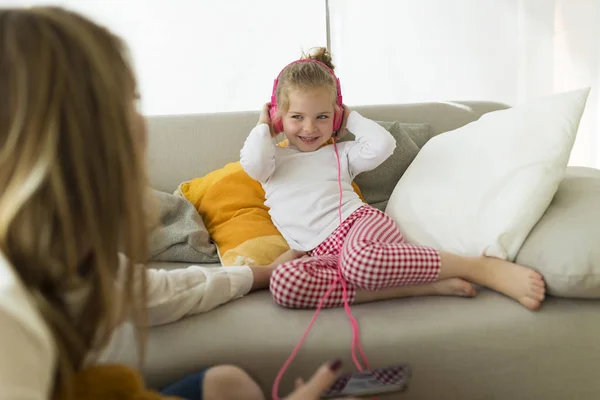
28,353
301,188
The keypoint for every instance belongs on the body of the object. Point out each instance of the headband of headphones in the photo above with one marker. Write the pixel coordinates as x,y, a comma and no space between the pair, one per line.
337,81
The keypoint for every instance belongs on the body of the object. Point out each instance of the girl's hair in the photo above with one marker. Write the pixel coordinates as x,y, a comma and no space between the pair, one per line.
306,76
72,178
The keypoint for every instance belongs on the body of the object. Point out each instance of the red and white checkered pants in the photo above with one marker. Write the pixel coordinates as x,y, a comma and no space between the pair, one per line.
374,256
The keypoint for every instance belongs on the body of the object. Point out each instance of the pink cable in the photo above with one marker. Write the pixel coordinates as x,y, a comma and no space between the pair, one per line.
355,331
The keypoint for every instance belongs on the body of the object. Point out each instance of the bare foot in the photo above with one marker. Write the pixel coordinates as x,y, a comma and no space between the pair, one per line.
521,283
453,287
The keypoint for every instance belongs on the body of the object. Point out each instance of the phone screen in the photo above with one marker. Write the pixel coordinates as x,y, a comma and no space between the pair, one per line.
370,382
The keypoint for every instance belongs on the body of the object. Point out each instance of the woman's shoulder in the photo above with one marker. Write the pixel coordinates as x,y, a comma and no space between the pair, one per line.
24,333
14,298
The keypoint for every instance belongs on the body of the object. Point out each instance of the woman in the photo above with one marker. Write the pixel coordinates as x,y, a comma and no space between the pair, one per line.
73,220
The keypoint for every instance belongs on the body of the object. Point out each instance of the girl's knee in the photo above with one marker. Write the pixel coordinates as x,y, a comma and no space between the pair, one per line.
373,265
282,285
293,287
357,259
226,382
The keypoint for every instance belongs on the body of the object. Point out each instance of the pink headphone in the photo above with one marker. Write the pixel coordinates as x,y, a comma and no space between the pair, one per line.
339,109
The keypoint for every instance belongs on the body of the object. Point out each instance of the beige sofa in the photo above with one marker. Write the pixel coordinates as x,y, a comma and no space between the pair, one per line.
488,347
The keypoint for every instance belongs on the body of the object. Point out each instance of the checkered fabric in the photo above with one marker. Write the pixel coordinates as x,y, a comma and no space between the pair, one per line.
374,256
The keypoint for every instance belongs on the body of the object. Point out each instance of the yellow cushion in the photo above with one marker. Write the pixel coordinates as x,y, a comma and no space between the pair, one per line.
232,205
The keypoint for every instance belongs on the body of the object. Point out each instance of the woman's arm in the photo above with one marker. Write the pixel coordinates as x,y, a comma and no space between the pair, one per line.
174,294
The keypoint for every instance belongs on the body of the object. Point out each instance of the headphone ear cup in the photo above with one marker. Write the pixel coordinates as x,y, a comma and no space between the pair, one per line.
338,117
277,125
275,120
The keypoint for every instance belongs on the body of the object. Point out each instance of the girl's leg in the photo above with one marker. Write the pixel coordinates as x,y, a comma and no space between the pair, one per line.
303,282
217,383
375,256
444,287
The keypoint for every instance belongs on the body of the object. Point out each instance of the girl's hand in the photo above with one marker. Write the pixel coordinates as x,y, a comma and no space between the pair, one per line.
318,384
265,118
343,130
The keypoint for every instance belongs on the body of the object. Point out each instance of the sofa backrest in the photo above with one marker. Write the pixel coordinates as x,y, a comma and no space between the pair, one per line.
183,147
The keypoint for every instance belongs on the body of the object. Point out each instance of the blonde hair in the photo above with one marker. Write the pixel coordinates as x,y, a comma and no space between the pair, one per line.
72,176
306,76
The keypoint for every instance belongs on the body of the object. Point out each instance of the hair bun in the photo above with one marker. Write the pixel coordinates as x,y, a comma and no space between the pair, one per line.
320,54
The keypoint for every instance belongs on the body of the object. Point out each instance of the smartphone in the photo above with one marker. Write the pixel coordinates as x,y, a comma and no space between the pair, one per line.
372,382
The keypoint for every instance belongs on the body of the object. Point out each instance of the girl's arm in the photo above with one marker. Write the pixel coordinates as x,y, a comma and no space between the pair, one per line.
373,144
258,154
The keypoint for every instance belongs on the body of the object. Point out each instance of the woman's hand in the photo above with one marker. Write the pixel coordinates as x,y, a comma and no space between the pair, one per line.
262,274
318,383
265,118
343,130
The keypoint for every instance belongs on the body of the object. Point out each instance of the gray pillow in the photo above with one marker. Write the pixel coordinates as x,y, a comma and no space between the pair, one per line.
181,236
377,185
564,246
419,133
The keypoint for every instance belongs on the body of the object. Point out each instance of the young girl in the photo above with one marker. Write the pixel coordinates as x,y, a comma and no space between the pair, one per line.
301,186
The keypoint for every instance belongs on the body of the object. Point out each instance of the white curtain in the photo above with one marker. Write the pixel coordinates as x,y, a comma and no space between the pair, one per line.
401,51
559,50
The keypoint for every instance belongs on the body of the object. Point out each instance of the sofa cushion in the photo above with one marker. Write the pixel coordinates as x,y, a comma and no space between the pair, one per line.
565,244
481,188
377,185
181,234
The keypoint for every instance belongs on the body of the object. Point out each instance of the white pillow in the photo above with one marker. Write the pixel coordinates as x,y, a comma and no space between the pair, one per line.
481,188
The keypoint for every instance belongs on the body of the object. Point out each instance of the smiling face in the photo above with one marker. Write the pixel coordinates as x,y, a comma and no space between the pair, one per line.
308,123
